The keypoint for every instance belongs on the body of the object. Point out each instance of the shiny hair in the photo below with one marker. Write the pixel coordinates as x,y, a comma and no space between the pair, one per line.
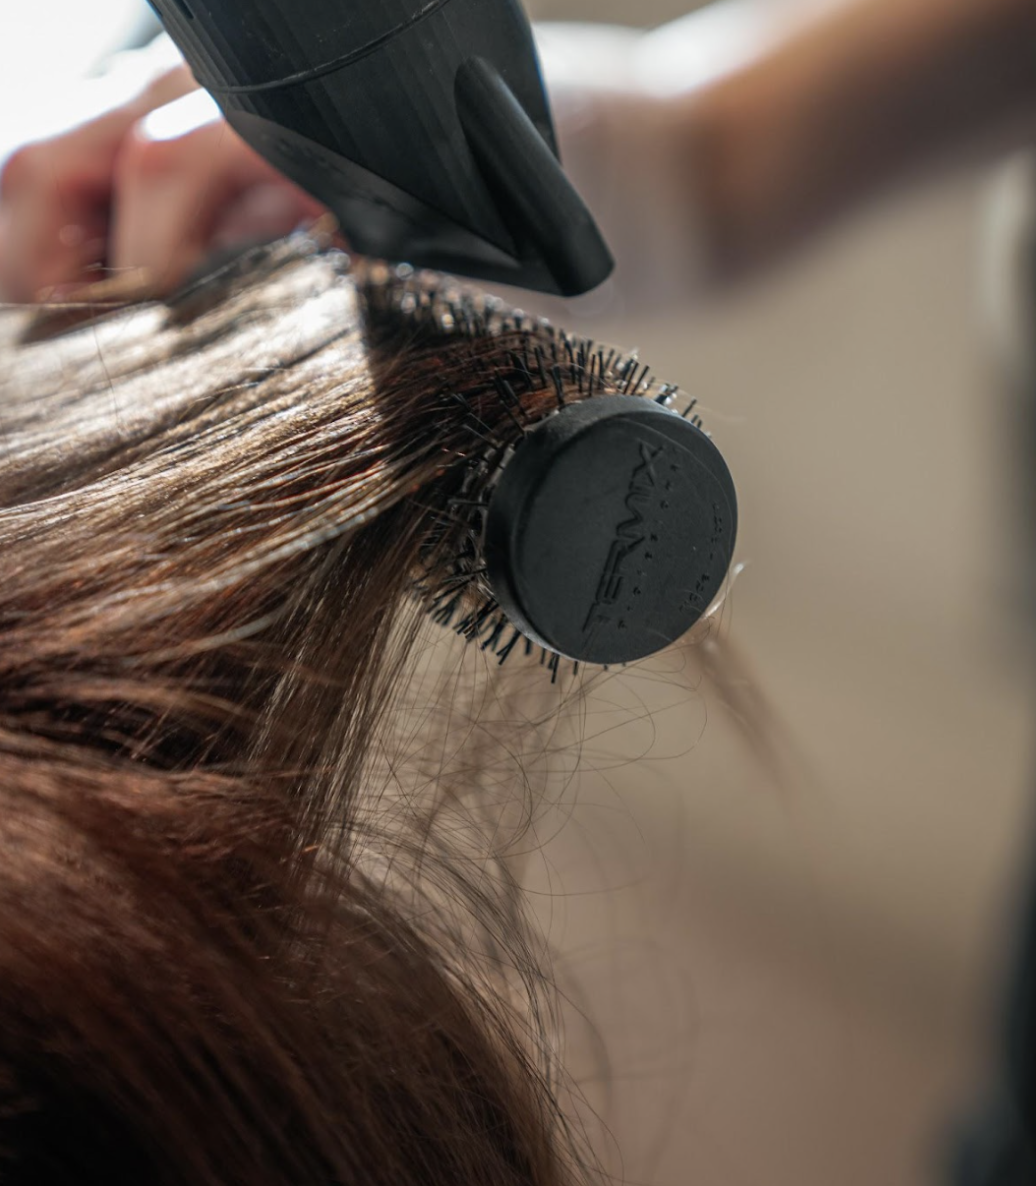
257,920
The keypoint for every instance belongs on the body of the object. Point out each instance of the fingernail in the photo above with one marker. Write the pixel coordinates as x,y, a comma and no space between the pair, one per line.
72,235
264,211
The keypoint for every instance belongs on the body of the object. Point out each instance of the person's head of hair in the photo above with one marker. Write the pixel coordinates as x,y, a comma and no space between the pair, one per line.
256,925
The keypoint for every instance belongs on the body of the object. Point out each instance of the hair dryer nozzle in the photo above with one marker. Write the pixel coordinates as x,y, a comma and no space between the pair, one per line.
422,124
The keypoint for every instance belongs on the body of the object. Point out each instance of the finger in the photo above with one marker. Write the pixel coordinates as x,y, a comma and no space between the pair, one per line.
54,197
183,179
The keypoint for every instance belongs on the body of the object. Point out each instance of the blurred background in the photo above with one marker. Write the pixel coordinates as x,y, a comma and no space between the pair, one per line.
793,959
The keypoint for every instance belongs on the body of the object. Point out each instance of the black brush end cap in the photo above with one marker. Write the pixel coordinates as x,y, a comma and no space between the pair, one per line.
611,529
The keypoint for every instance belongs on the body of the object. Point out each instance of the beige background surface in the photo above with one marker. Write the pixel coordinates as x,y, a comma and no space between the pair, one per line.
645,14
793,975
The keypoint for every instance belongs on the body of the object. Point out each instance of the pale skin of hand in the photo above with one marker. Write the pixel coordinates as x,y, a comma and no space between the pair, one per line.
836,99
859,97
143,192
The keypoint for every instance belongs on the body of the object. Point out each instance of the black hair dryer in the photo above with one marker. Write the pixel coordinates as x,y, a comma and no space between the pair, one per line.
422,124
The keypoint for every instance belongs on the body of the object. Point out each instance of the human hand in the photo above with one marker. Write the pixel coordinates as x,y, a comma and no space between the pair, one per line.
145,185
622,146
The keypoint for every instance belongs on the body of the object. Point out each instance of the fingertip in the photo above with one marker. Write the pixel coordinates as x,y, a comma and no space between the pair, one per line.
260,213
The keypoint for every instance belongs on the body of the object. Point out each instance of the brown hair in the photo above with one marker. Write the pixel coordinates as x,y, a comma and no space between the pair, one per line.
252,928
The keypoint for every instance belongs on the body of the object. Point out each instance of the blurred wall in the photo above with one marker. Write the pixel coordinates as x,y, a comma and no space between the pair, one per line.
799,949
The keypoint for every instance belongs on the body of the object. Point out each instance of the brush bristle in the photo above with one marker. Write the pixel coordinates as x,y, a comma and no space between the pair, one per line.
530,358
